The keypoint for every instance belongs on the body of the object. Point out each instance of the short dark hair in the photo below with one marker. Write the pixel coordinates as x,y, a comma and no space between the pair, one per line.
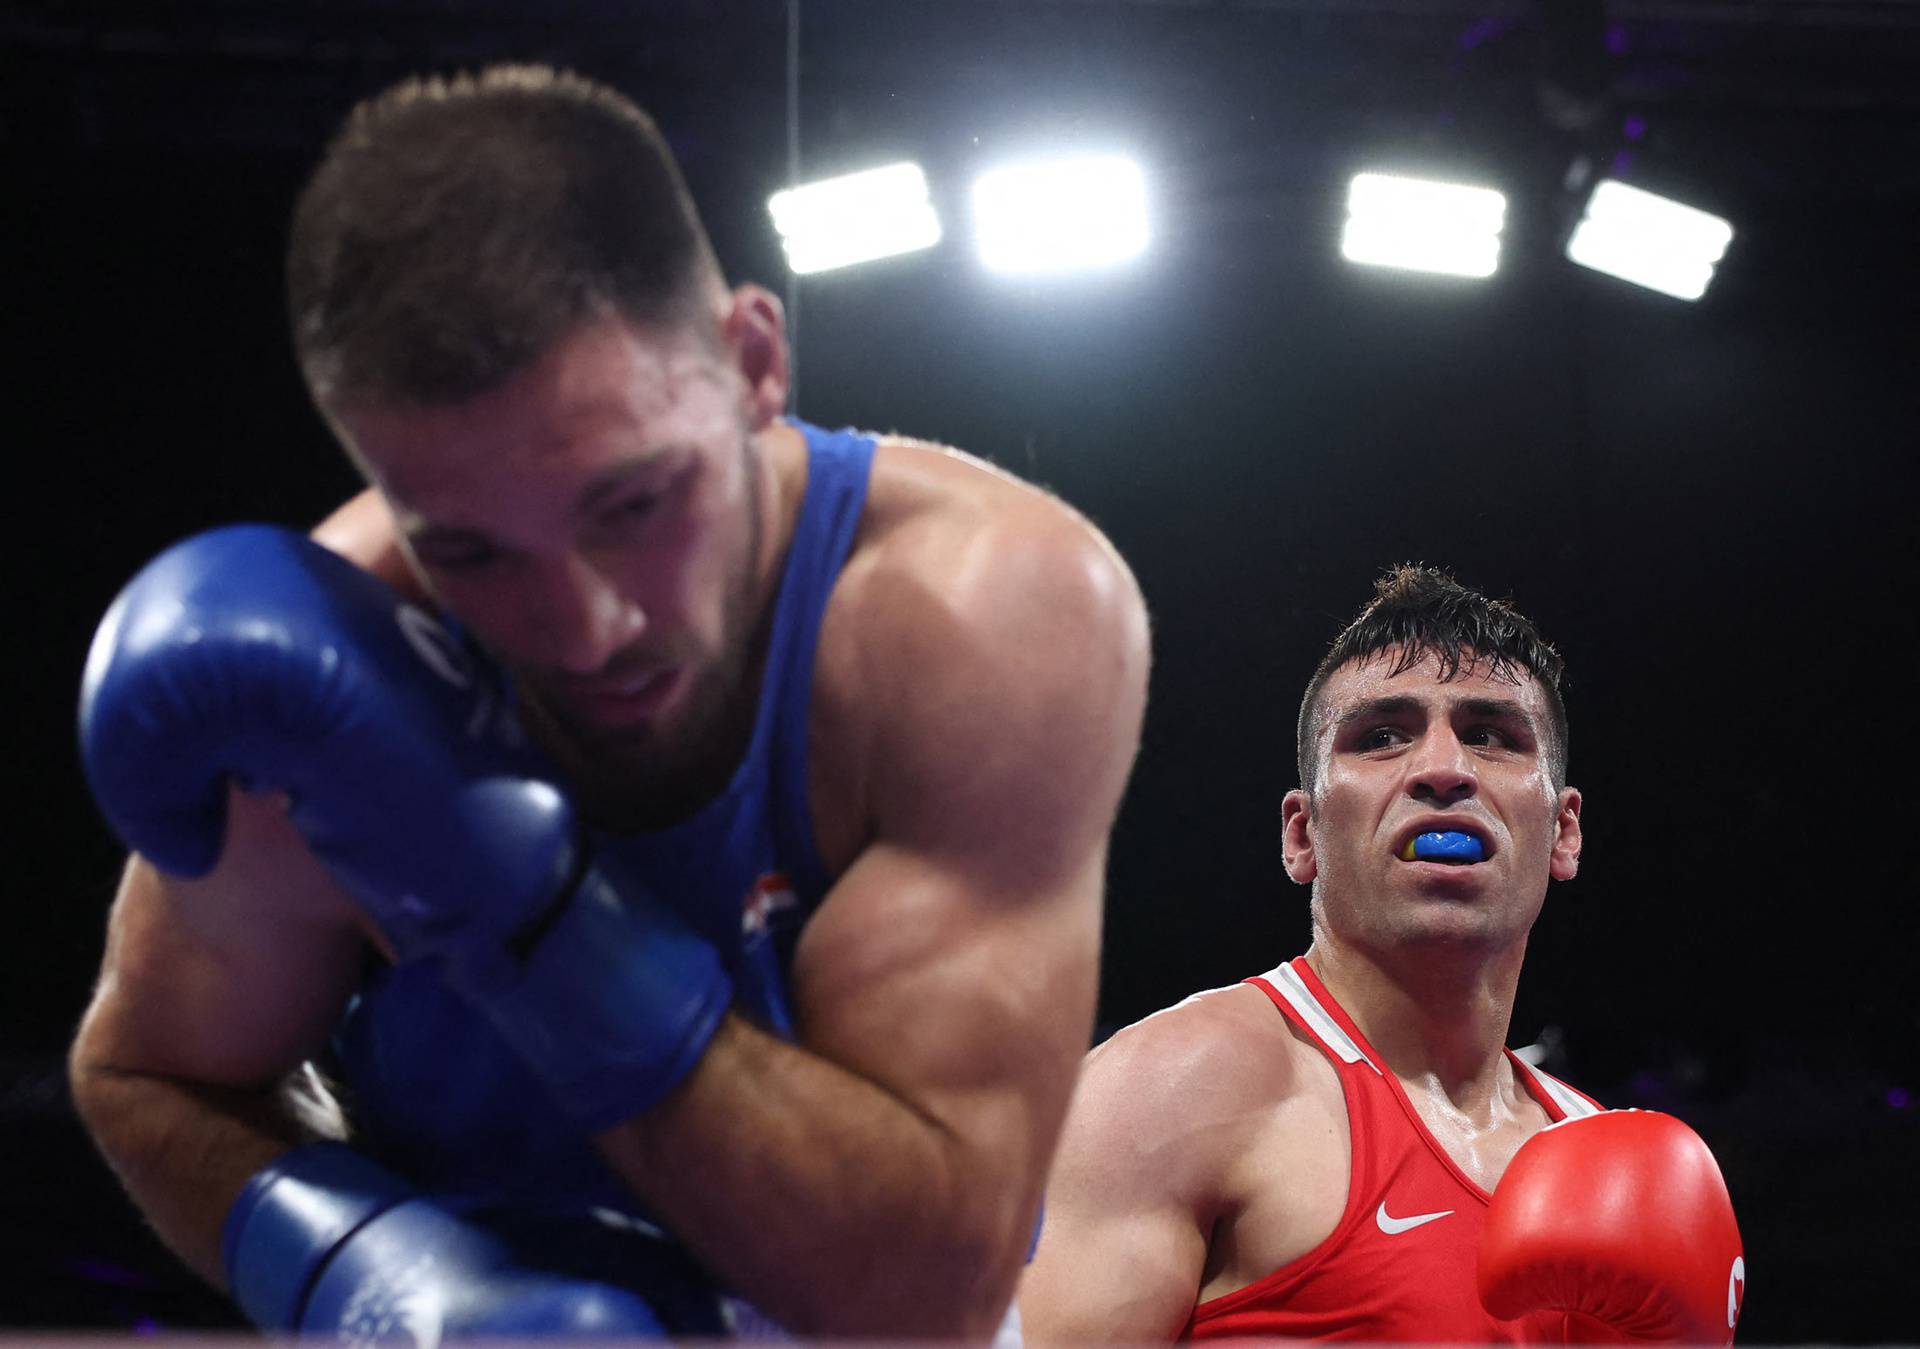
1417,611
456,228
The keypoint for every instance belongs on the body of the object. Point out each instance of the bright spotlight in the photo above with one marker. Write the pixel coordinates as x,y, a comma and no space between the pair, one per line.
1423,226
1060,215
837,222
1649,240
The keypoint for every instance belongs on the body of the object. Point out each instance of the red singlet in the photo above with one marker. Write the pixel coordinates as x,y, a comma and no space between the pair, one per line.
1399,1267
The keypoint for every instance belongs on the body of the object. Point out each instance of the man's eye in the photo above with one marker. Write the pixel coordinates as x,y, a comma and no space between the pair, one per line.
1486,735
630,510
460,560
1380,737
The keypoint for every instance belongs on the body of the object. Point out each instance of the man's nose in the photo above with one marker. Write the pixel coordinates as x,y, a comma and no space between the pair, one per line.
1442,772
589,617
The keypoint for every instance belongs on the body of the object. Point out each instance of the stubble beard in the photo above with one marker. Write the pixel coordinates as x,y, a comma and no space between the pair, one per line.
654,775
1426,937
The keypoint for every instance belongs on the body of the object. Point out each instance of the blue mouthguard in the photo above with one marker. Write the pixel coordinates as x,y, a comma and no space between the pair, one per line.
1449,846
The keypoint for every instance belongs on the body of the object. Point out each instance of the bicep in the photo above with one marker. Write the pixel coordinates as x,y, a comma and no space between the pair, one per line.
972,1006
231,978
1136,1187
1121,1253
956,961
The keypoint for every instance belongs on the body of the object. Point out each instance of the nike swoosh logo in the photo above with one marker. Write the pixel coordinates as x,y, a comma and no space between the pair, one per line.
1393,1226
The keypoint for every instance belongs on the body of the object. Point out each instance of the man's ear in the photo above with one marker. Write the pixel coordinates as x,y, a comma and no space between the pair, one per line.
754,328
1565,862
1296,839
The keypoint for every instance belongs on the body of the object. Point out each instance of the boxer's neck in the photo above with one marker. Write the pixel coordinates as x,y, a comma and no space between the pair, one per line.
1438,1017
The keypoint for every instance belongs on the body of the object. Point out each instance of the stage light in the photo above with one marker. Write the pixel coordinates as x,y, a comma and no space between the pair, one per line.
858,217
1060,215
1649,240
1423,226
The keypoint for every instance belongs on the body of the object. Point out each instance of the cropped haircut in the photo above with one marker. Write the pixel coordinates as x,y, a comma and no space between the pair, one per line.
1417,611
455,229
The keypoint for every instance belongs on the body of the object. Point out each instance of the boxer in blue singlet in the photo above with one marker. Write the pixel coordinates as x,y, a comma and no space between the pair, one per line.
652,883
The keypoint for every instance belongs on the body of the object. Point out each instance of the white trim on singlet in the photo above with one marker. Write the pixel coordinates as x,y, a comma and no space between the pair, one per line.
1571,1102
1287,982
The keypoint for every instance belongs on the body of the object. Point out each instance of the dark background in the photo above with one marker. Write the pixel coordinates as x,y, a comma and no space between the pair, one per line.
1708,507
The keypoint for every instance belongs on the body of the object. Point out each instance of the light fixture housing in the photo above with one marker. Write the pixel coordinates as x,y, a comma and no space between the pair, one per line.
1649,240
854,218
1421,225
1061,215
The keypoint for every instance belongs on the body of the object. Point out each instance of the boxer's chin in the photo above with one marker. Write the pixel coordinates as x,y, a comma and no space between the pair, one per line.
637,765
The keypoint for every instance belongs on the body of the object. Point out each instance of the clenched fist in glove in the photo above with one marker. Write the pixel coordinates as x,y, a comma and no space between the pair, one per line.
1622,1221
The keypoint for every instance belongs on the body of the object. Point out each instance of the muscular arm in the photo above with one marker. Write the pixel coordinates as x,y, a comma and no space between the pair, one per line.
882,1176
211,994
1136,1188
187,1066
1204,1150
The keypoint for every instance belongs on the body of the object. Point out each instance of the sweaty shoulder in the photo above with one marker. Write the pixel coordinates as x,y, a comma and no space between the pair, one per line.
1149,1168
362,531
1214,1066
1219,1109
942,518
978,621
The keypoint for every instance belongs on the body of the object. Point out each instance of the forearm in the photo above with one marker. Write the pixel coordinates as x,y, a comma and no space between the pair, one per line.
832,1205
184,1150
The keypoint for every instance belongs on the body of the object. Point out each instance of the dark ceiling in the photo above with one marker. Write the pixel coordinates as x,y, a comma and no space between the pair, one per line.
1800,121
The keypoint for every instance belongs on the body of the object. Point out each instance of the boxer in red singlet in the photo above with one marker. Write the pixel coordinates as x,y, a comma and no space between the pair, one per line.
1312,1153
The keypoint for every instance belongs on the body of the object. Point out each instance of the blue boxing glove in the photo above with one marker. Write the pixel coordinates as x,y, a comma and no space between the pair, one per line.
325,1241
252,653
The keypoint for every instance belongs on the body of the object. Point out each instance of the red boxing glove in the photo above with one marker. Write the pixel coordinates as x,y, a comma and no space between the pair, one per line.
1622,1221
